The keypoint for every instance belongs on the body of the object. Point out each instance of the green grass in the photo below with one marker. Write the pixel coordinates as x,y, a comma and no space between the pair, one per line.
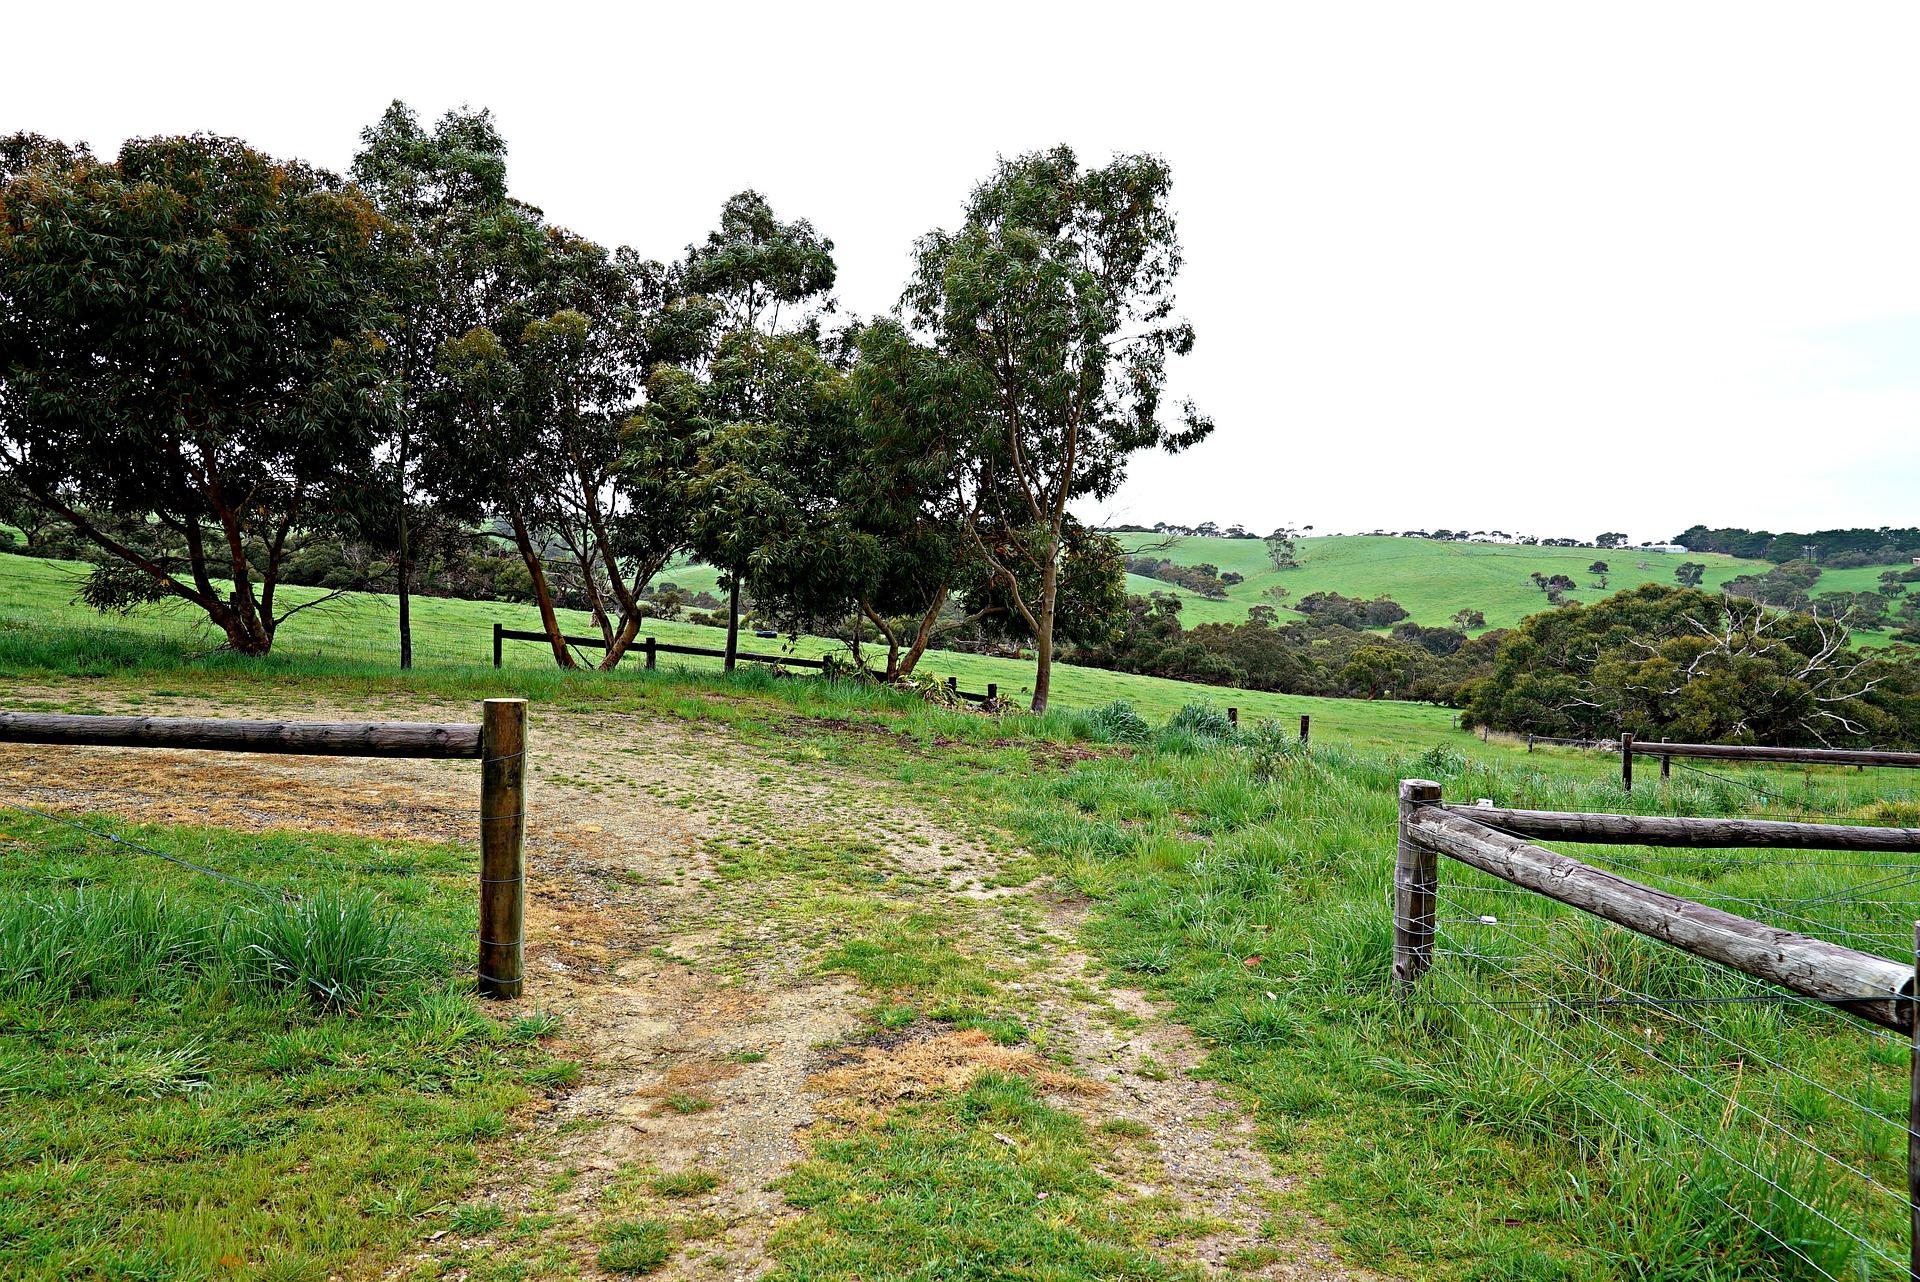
43,632
201,1082
988,1184
1240,877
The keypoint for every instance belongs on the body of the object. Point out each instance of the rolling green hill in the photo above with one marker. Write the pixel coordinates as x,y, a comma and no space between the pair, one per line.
1431,579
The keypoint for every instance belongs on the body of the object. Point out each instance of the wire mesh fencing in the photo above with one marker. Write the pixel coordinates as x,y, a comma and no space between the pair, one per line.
1774,1118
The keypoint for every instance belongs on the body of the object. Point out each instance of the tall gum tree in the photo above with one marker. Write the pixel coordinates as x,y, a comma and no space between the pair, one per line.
1056,294
189,363
433,186
750,271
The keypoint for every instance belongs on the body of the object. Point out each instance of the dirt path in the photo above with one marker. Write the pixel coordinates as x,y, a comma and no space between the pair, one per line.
681,887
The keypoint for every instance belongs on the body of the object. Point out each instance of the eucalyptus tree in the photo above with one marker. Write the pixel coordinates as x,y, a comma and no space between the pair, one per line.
435,189
753,272
189,363
912,486
539,419
1057,292
768,491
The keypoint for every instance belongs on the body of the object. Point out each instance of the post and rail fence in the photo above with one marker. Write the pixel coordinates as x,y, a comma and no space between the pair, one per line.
498,741
1798,967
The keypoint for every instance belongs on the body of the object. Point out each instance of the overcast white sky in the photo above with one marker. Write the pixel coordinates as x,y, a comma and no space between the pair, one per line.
1535,267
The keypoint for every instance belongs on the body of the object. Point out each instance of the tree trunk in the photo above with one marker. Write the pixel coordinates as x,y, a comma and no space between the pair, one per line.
1043,632
923,635
404,569
733,620
542,594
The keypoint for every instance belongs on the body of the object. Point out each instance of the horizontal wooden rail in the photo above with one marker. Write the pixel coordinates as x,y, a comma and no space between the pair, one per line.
1755,752
1871,987
1706,834
312,738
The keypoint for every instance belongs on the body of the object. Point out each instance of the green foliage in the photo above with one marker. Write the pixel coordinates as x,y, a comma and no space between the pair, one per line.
1117,722
636,1246
1269,748
246,380
1203,721
1681,664
1055,300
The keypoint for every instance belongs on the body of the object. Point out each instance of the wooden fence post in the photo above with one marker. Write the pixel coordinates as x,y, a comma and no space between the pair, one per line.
650,644
1233,716
1913,1124
496,645
503,832
953,685
1306,727
1666,767
1626,761
993,690
1529,743
1416,881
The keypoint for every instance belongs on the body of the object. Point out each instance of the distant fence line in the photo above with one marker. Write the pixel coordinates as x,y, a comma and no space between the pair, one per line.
653,648
498,741
1629,747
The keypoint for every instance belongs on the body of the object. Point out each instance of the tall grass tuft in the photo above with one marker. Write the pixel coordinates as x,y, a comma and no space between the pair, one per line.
1117,722
342,952
339,950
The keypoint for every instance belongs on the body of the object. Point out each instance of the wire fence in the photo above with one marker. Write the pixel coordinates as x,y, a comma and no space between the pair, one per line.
1778,1117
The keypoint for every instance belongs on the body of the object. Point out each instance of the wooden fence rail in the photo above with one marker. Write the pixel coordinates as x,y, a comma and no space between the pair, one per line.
498,741
1630,747
1872,987
1703,834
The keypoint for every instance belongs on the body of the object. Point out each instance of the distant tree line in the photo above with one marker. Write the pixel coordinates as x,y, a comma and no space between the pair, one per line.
1835,549
1332,652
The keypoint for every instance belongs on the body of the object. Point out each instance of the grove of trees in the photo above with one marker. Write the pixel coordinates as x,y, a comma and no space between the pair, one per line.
218,368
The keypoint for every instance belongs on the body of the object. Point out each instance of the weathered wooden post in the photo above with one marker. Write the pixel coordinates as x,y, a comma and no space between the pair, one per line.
953,686
1529,743
496,645
503,832
1666,766
1626,760
650,646
1913,1117
1233,717
1416,881
993,691
1306,727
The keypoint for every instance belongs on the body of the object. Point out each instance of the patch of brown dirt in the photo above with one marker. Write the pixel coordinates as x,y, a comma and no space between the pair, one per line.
933,1062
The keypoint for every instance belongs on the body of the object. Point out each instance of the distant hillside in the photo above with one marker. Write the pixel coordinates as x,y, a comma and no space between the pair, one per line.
1431,579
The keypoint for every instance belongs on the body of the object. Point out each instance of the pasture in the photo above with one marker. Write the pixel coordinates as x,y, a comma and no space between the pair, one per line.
824,982
1431,579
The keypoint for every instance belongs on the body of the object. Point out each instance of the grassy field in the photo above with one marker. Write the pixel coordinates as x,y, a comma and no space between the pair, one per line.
225,1117
358,630
1431,579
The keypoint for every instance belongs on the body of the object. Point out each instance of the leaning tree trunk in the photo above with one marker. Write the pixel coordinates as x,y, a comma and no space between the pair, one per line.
542,594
